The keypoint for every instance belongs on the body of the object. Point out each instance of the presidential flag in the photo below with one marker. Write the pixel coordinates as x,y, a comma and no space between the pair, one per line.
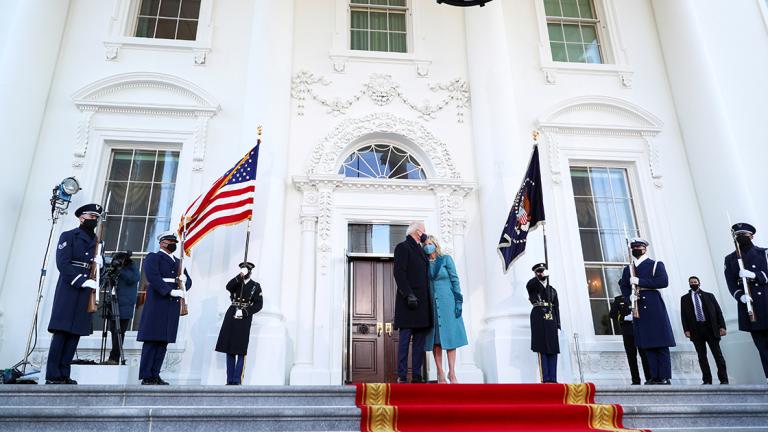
229,201
526,214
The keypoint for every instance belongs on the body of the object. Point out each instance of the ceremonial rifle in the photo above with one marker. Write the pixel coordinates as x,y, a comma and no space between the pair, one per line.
744,280
93,297
632,273
182,300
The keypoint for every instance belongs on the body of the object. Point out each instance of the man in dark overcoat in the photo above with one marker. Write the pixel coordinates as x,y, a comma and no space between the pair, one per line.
160,316
755,271
621,313
247,300
653,331
413,305
703,324
70,318
545,322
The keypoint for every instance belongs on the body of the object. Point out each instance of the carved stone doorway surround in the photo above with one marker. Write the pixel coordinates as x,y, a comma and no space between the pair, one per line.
320,332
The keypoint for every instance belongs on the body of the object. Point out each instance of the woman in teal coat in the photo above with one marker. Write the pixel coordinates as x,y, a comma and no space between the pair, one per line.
448,331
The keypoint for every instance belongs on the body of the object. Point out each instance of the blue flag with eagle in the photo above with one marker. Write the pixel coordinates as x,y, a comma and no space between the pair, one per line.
526,214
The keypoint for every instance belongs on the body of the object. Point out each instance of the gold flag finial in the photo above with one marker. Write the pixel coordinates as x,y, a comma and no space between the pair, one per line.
536,135
258,130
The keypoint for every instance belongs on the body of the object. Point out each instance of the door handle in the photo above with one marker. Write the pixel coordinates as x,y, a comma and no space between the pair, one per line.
379,328
388,329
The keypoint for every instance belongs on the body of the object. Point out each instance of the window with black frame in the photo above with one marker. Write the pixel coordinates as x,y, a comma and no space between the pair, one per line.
168,19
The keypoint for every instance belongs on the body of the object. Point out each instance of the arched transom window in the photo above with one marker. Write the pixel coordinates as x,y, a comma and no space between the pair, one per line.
382,161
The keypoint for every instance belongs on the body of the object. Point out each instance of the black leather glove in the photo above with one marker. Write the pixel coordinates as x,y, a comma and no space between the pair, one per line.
413,302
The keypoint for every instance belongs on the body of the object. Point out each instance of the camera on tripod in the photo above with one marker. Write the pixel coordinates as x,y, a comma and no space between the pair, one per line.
117,262
110,308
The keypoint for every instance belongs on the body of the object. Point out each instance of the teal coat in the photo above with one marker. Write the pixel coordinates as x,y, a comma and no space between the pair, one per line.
446,297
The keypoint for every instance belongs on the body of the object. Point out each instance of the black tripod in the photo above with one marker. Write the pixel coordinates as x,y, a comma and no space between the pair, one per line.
110,310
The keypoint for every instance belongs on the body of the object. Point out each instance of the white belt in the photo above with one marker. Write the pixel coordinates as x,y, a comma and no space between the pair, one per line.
169,280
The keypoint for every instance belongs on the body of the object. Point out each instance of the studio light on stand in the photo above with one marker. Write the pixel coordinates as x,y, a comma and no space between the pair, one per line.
61,197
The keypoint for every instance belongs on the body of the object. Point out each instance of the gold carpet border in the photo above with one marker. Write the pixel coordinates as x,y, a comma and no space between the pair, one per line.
382,417
577,394
606,417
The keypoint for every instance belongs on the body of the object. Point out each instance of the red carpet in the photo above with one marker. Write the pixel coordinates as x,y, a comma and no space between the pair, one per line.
484,408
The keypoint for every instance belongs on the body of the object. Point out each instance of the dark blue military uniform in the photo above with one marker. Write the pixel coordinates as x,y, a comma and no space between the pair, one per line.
70,318
160,316
545,323
755,260
653,331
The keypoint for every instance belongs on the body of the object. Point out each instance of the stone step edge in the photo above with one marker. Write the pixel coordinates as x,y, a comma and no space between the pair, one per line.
10,413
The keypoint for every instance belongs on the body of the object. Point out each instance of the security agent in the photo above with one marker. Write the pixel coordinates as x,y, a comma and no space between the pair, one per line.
160,316
70,318
653,332
755,261
621,312
545,322
703,324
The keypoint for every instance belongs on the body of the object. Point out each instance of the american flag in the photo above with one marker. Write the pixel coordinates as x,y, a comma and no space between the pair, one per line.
229,201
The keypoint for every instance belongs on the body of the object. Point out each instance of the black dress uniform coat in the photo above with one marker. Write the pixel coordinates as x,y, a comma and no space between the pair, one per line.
545,304
756,261
234,333
710,309
652,329
411,272
160,316
74,255
620,308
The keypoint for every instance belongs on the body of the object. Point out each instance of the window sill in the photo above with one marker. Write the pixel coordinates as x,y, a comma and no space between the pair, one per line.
552,69
197,49
340,58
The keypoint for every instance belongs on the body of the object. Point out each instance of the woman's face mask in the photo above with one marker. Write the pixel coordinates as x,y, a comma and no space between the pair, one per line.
429,249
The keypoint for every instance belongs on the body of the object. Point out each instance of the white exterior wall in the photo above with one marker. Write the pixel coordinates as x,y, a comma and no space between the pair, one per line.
640,113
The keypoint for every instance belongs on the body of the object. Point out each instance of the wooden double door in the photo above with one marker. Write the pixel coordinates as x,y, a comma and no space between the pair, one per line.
373,339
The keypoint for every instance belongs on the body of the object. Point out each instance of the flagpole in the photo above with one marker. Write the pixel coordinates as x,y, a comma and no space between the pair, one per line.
536,135
253,207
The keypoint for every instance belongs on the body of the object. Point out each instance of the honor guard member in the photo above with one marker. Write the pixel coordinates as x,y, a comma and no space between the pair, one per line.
621,312
755,261
70,318
653,332
160,316
545,322
246,298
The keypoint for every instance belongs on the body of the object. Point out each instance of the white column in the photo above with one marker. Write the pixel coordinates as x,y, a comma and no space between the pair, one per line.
28,57
500,151
267,103
720,165
305,331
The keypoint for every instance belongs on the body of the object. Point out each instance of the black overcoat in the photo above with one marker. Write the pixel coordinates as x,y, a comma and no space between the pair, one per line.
234,333
411,272
620,308
70,302
544,337
712,313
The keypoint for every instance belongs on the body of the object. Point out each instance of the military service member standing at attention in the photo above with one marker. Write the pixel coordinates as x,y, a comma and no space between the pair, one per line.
545,322
160,317
621,312
755,271
70,318
246,298
653,332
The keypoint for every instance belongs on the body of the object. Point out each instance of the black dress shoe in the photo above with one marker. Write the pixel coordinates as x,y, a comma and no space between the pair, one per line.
416,380
149,381
69,381
635,382
724,382
55,381
664,382
160,381
402,380
707,383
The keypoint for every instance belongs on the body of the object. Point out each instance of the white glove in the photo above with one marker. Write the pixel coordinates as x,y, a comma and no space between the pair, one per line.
177,293
183,280
545,273
745,298
99,261
632,298
628,317
90,283
238,313
634,280
244,271
746,274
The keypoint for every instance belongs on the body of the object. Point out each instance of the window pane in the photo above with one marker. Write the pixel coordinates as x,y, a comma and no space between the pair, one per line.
149,7
590,245
359,39
595,283
600,184
585,9
167,165
552,7
138,199
359,19
378,41
116,193
588,34
400,3
558,52
378,20
397,42
111,233
146,27
132,234
570,9
555,32
585,213
190,9
161,201
600,319
379,2
166,29
187,30
397,22
575,53
170,8
359,1
606,216
572,33
612,276
143,165
121,165
580,181
625,215
155,227
613,246
619,182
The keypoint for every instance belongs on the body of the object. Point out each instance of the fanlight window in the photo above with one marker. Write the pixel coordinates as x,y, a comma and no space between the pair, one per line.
382,161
